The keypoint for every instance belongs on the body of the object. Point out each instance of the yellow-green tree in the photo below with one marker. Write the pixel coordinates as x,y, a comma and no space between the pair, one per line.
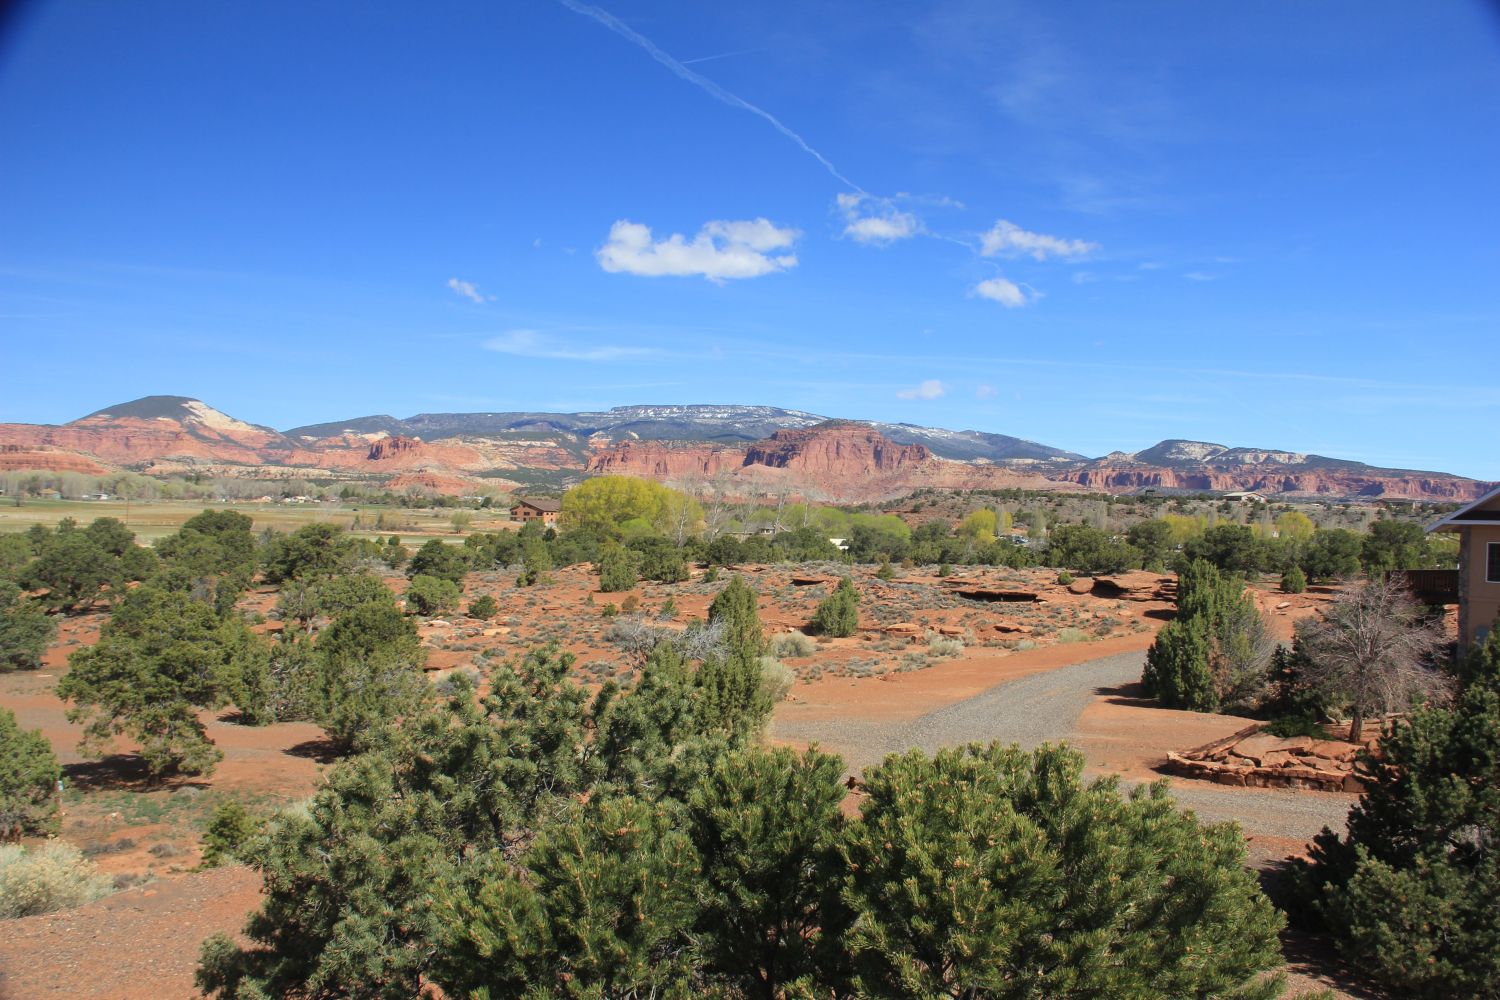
607,503
681,516
1185,527
1295,526
979,526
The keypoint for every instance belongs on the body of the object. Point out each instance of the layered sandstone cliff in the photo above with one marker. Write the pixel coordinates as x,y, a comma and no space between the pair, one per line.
665,459
839,462
23,458
1273,482
836,451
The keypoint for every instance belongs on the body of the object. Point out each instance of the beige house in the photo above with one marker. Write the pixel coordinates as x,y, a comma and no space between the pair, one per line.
1478,528
541,509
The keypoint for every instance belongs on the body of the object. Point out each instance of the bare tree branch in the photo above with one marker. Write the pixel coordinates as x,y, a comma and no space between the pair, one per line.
1371,650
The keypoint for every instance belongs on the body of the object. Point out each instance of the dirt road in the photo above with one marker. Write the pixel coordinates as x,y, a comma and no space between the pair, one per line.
1045,707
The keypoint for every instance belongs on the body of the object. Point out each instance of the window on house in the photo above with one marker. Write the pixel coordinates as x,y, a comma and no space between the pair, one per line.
1492,565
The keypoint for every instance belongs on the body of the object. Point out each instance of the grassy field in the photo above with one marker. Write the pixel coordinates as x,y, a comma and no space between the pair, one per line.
155,519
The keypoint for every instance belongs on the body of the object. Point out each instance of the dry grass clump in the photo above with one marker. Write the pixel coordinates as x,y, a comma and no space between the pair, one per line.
775,678
791,645
54,876
943,646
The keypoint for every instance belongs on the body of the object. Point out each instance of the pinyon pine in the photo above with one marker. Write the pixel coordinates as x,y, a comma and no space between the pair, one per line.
1409,891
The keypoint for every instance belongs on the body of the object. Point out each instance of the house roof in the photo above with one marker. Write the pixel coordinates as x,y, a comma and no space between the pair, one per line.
544,504
1478,512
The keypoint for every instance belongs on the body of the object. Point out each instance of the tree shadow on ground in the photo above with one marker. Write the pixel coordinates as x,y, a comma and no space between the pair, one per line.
1132,694
124,772
324,750
1160,614
1307,953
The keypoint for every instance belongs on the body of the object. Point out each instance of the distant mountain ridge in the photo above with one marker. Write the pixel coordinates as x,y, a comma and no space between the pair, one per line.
693,422
763,447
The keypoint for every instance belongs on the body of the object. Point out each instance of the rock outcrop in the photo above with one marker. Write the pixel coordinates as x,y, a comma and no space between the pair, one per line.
19,458
392,447
836,451
1272,482
834,461
665,460
1252,758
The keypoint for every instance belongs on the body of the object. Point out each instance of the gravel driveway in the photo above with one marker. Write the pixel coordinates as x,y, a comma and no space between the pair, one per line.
1045,707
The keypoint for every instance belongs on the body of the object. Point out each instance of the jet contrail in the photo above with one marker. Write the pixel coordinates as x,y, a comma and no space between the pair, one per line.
708,86
719,55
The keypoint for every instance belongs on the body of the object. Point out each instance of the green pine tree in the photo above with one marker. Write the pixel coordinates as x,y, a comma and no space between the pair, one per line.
618,568
1409,891
989,872
26,630
348,885
438,559
1217,653
367,670
601,907
229,830
28,781
738,608
767,825
838,613
432,595
161,657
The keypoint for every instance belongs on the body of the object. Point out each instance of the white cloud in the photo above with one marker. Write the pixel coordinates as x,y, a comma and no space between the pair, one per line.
985,392
467,289
929,389
1009,240
533,344
1199,276
719,251
868,219
1007,293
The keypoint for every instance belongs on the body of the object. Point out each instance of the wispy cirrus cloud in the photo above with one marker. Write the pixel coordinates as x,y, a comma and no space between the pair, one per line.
720,251
468,290
877,221
1006,239
1004,291
535,344
715,91
929,389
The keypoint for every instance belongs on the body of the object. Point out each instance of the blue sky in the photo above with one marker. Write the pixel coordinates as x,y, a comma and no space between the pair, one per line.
1094,225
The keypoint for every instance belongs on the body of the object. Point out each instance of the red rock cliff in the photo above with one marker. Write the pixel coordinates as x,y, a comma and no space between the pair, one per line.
393,447
664,459
840,462
835,452
1260,479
